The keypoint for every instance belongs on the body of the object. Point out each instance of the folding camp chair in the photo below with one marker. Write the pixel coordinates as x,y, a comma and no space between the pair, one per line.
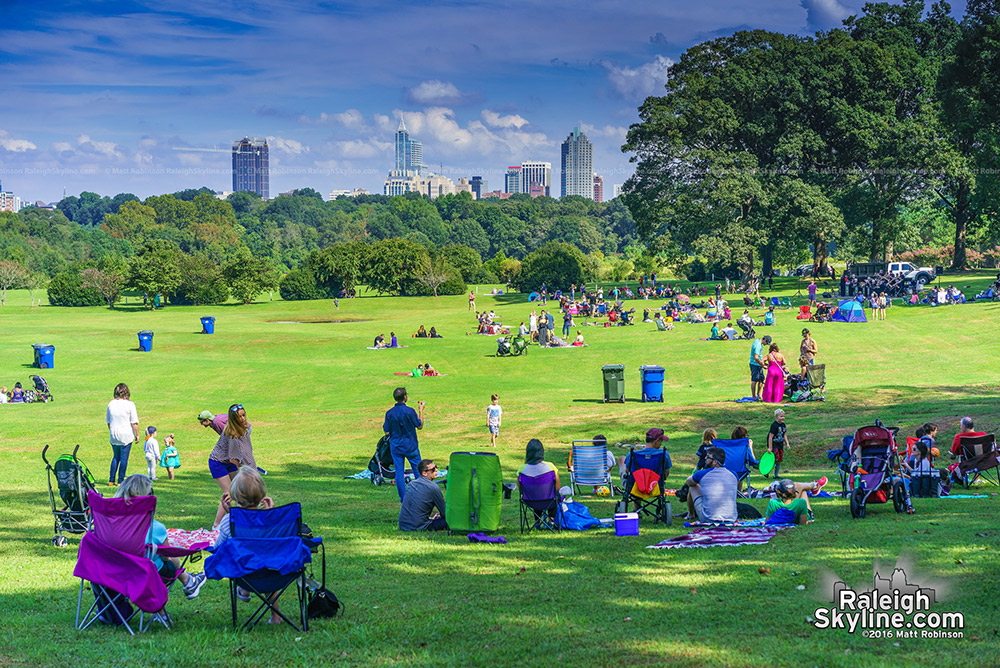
816,378
979,458
738,461
266,556
805,313
650,465
588,466
775,302
786,302
539,502
116,561
661,325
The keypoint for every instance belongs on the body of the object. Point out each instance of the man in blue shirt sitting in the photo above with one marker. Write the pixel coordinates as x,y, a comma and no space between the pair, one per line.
712,490
401,424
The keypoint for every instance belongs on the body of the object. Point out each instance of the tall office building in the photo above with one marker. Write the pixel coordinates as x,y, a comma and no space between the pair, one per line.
250,172
479,187
537,174
598,188
577,165
409,152
512,181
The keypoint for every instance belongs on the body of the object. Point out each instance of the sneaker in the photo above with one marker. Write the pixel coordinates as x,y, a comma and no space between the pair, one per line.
910,510
112,484
818,484
242,595
194,585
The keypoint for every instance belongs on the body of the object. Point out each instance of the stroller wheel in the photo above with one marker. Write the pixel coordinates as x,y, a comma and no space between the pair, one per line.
898,496
858,504
376,480
59,541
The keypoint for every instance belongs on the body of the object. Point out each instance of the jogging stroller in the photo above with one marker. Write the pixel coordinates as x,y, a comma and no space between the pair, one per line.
748,330
511,346
70,508
873,460
381,464
42,392
822,314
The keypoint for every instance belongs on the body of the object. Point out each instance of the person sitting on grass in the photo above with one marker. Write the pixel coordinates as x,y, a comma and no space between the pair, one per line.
707,437
249,492
422,496
729,332
139,485
434,334
393,343
379,341
712,490
715,333
792,503
579,338
421,333
429,370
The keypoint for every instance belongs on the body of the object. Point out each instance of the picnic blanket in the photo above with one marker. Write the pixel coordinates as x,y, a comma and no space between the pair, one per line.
364,475
965,496
191,539
386,348
410,373
721,535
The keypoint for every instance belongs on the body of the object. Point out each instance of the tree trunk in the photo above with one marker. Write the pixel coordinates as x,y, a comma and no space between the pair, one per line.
750,261
959,261
767,260
819,256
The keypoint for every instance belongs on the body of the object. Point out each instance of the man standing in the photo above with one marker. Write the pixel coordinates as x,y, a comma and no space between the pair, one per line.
401,424
718,292
422,497
807,351
712,490
567,322
812,292
757,374
472,300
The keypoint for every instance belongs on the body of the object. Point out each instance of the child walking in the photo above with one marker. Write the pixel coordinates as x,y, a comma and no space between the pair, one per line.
170,459
152,450
777,440
493,416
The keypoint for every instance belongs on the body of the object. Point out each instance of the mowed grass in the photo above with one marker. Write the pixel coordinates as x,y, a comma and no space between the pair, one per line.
317,397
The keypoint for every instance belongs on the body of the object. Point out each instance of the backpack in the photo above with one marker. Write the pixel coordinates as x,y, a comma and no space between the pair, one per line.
117,602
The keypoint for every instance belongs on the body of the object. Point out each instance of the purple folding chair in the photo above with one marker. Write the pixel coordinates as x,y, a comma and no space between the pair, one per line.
116,560
539,498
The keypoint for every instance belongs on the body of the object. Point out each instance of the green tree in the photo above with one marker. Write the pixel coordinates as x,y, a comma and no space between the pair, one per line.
108,285
389,263
155,270
464,259
557,265
12,275
248,276
299,284
200,282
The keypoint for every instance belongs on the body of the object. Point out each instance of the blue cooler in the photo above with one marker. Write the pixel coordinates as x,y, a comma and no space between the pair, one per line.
208,325
651,377
44,355
626,524
145,340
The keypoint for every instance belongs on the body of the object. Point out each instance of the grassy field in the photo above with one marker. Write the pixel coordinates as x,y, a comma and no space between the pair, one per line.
317,397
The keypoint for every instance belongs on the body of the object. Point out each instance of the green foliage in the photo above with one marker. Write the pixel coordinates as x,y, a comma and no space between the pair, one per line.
299,284
248,276
338,267
66,289
201,282
155,270
389,262
466,260
557,265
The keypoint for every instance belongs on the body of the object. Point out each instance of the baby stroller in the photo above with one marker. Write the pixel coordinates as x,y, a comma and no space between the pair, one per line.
42,392
823,313
873,459
748,330
811,386
511,347
73,481
381,464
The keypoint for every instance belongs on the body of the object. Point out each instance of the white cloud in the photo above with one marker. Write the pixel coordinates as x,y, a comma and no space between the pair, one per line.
351,118
362,148
638,83
498,121
442,134
106,148
289,146
825,14
611,131
437,92
8,143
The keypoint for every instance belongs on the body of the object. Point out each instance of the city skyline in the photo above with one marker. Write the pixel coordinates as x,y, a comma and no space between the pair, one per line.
143,97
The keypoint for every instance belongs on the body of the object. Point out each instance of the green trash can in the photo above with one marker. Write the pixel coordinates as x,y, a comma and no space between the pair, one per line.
473,492
614,382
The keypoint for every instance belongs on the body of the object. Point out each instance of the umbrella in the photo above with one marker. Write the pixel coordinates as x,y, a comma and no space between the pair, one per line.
683,298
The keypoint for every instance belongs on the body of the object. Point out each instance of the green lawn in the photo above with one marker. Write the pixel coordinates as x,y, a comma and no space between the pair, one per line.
316,398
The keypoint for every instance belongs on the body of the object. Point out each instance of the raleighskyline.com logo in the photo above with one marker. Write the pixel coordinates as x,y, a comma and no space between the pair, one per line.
893,608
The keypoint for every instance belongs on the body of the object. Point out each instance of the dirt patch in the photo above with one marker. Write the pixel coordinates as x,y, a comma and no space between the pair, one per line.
316,321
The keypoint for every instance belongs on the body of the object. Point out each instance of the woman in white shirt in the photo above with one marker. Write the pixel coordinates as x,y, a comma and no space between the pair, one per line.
123,426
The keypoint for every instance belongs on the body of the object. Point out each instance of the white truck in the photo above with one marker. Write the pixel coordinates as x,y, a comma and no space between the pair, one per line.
919,276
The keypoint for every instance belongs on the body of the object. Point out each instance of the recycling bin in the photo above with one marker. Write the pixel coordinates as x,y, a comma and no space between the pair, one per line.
651,377
145,340
208,325
44,355
614,382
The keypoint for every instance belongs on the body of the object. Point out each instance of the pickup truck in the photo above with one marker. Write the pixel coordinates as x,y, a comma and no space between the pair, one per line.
920,276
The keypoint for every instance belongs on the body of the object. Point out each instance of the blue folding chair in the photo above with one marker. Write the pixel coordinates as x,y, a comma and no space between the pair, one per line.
265,556
653,504
738,461
589,466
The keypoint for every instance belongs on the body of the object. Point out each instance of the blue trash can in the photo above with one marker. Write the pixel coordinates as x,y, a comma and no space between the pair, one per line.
208,325
651,377
146,340
44,355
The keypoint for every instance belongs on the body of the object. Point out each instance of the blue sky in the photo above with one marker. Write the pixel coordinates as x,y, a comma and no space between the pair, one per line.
108,96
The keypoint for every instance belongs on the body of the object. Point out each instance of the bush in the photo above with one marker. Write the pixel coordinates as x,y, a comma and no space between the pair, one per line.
556,264
300,284
200,282
412,286
66,289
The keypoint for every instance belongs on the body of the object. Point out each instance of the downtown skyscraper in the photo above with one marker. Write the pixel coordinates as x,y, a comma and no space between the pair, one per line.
250,168
409,152
577,165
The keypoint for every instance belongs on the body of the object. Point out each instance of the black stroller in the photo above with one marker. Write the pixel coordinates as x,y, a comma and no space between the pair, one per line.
42,392
511,347
381,464
748,330
73,482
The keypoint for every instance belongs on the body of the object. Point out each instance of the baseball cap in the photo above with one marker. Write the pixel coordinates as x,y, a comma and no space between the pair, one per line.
654,434
205,415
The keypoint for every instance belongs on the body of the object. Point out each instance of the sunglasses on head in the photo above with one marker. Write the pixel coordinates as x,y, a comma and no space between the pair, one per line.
236,407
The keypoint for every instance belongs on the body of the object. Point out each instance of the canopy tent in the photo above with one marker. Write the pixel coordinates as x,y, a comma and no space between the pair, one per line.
849,311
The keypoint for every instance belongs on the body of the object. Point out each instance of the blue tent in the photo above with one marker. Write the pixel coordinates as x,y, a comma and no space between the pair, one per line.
850,311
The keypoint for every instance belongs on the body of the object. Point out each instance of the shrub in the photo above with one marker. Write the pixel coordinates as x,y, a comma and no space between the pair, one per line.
556,264
66,289
300,284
